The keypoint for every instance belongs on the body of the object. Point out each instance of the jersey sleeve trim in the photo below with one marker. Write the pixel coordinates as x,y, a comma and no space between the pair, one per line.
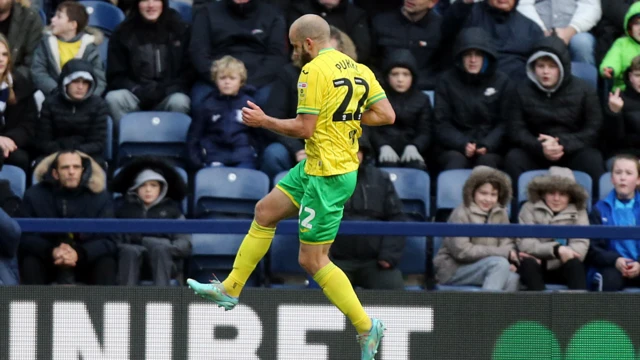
375,99
308,110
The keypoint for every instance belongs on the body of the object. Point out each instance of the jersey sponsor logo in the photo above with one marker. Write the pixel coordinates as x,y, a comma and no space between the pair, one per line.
305,72
302,85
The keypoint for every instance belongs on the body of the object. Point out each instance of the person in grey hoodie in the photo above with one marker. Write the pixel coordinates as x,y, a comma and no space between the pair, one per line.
68,39
489,262
151,189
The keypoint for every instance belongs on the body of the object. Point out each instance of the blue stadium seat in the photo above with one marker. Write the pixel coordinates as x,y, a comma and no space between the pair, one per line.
103,48
413,188
431,94
605,186
414,259
437,243
17,179
224,192
157,133
215,254
279,177
184,176
183,8
449,189
283,263
108,149
585,71
103,15
581,178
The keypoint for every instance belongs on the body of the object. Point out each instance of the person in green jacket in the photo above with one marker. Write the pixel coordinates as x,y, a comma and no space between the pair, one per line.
624,49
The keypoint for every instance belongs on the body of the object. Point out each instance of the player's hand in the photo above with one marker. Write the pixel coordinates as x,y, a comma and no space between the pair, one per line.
252,115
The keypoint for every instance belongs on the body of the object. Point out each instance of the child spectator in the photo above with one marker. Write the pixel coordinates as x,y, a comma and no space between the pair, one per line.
67,40
404,143
624,49
623,116
617,259
74,118
151,189
554,199
18,112
482,261
217,136
472,103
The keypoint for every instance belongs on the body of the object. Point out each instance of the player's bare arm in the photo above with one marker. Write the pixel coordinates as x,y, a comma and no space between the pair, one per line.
301,127
379,114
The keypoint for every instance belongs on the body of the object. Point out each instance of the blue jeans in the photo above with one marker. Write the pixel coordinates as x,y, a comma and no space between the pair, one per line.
275,159
8,272
582,47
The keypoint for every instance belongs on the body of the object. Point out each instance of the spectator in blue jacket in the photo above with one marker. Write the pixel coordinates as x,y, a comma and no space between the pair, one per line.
10,238
217,136
617,259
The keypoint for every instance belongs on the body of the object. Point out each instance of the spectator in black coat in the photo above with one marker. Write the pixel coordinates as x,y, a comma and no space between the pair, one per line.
250,31
71,185
375,7
18,112
415,27
513,33
555,117
341,14
148,66
74,118
472,103
406,142
371,261
9,235
622,116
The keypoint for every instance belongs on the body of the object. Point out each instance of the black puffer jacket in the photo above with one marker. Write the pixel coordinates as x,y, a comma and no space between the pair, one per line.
150,60
70,124
414,114
374,199
393,31
20,118
471,108
622,130
253,33
345,16
571,112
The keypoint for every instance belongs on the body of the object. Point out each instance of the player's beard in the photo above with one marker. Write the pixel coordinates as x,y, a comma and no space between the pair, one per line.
305,57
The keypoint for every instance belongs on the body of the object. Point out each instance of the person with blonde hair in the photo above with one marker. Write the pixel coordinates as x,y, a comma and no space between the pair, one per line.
217,136
18,113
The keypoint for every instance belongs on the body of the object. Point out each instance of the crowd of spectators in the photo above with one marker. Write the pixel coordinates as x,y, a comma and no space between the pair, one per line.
475,84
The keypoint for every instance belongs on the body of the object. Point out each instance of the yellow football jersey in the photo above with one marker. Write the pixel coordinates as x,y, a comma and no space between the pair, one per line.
338,90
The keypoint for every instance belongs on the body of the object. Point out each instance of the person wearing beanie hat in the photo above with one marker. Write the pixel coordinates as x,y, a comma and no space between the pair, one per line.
75,118
489,262
471,111
151,189
554,199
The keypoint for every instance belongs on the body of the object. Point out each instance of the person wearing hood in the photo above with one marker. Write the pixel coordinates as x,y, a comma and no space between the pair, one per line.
151,189
555,117
406,142
553,199
18,113
489,262
513,33
414,27
76,117
623,50
148,66
248,30
371,262
67,40
70,186
610,26
217,136
570,20
341,14
617,259
284,152
471,111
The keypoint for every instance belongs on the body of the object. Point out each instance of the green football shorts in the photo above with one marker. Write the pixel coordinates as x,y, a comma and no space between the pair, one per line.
321,201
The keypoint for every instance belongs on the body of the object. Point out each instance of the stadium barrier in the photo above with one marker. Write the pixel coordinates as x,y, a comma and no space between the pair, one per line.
92,323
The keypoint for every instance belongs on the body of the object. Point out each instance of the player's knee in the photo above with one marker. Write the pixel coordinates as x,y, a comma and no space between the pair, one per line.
310,263
262,215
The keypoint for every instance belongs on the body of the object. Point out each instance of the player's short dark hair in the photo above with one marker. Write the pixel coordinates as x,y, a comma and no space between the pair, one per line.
75,12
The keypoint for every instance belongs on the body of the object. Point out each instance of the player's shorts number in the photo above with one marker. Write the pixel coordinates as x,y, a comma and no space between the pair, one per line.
340,114
306,222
